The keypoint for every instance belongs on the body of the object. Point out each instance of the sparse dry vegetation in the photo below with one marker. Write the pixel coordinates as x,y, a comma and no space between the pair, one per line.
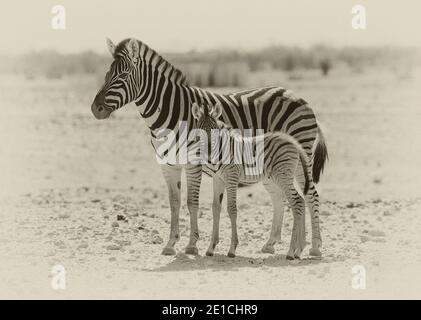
221,68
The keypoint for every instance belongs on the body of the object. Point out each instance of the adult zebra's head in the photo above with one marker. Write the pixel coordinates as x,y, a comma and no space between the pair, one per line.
120,86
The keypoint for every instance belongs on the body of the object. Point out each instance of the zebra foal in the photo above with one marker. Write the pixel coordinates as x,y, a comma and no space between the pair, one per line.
280,157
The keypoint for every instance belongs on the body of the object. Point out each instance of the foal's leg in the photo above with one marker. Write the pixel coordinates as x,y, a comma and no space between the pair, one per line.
302,227
276,195
231,182
218,195
172,175
194,178
312,199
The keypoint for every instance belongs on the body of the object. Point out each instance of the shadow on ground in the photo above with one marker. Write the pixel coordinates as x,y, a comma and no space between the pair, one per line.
183,262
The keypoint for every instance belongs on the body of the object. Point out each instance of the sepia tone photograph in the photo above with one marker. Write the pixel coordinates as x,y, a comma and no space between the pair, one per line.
231,150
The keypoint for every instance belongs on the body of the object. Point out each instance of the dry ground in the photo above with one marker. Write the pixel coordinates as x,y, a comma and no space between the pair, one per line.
89,195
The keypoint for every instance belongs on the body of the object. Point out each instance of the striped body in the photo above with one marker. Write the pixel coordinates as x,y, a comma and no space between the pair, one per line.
276,162
254,164
138,74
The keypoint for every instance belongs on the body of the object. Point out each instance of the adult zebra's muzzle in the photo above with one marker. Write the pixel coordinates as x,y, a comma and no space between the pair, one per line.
99,109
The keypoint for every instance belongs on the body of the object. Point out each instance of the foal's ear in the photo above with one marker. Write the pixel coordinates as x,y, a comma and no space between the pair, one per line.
110,46
216,111
197,113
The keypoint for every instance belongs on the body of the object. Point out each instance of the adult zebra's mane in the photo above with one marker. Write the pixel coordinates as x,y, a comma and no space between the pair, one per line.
177,74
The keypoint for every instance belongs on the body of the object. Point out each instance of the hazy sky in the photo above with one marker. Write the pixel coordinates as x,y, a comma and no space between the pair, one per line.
182,25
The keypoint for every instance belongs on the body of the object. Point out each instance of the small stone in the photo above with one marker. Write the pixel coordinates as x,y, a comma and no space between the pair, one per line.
113,247
364,239
124,242
121,217
157,240
376,233
115,224
147,201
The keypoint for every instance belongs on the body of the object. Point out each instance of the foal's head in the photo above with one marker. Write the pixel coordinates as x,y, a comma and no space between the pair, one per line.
207,122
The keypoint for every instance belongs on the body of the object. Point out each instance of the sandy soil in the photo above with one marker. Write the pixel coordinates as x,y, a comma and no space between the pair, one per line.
89,196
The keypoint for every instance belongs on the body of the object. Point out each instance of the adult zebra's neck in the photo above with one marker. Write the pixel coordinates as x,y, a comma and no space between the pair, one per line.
164,97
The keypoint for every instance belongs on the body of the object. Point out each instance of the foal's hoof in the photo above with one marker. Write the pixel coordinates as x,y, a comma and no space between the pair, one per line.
192,250
289,257
315,252
209,253
231,255
268,249
168,251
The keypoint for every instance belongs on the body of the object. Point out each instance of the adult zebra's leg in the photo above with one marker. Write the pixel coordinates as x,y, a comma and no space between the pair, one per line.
194,178
277,198
297,204
172,175
300,179
218,195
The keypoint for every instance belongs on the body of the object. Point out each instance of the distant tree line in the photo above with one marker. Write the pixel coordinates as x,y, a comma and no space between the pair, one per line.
216,67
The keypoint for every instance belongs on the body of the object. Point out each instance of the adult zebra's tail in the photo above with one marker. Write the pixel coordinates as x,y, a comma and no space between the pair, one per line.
304,164
320,155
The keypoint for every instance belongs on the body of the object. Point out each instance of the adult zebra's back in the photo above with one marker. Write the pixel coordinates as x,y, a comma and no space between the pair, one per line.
272,109
139,74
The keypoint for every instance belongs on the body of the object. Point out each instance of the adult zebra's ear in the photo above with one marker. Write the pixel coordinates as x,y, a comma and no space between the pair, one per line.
216,111
111,46
197,113
133,48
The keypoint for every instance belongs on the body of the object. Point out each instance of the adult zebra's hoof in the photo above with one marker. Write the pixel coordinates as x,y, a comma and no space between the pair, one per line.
168,251
192,250
315,252
268,249
289,257
231,255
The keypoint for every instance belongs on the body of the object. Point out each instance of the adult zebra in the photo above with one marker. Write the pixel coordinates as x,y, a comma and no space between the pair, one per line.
139,74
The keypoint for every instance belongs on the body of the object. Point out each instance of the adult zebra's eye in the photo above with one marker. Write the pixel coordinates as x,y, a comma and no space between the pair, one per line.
124,75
